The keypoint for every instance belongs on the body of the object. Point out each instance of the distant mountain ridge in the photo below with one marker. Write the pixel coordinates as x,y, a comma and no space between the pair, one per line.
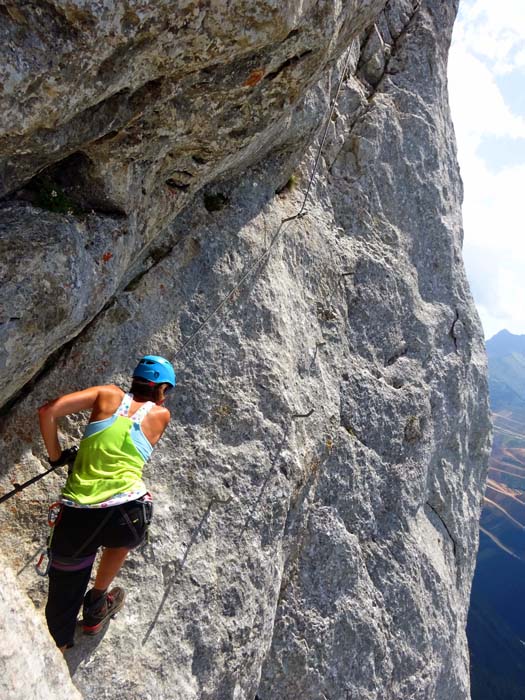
496,622
506,359
505,343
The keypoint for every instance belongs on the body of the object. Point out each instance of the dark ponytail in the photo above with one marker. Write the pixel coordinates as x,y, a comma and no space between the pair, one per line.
143,390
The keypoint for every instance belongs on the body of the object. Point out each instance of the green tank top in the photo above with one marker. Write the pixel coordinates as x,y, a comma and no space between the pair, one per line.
110,458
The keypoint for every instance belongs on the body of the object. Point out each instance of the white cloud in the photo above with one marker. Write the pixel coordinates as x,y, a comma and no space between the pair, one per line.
487,37
495,31
494,249
476,101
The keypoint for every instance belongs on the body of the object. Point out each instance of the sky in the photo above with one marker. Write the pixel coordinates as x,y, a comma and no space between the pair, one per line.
487,97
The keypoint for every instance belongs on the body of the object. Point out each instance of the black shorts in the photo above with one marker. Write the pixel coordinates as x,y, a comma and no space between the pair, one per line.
78,534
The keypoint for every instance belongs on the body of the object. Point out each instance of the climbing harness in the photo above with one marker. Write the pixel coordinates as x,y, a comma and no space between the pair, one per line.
53,518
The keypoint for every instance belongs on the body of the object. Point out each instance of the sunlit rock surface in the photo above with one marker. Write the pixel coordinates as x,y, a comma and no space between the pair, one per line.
318,491
30,667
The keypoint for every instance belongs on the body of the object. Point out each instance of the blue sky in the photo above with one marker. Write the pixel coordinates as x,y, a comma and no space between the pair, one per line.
487,98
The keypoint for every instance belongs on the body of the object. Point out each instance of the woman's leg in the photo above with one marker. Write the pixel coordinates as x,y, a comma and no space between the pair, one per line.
99,605
66,593
69,574
110,563
124,531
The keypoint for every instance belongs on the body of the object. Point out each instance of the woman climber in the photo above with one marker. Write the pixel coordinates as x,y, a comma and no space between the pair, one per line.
104,502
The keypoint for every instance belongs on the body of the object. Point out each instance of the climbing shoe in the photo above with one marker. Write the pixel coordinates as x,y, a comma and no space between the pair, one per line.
98,613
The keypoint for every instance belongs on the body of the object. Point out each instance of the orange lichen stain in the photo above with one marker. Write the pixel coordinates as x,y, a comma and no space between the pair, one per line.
255,77
107,257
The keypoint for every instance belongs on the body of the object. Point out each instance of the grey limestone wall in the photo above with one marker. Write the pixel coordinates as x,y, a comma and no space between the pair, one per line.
318,490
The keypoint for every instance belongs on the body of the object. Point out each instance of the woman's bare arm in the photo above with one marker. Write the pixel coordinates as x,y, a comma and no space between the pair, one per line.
63,406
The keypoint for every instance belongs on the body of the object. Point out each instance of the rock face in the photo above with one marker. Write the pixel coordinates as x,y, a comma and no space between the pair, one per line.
120,113
318,490
30,666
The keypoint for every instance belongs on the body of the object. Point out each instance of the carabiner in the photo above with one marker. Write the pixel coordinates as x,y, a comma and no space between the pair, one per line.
53,514
43,554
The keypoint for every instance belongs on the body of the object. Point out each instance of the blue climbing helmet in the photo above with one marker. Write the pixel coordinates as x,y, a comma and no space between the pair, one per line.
156,369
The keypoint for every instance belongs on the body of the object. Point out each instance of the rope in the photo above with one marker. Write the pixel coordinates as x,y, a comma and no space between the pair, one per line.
300,213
